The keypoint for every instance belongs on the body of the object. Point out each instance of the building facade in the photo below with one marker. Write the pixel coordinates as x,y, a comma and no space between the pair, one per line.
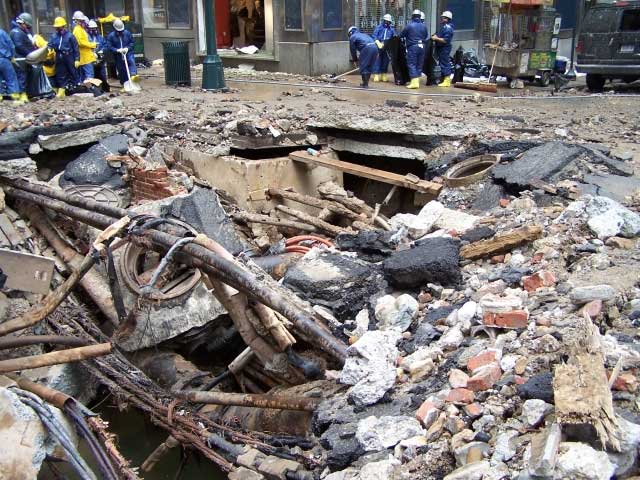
295,36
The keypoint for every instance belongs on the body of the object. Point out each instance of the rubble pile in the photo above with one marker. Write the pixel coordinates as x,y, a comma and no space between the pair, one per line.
489,332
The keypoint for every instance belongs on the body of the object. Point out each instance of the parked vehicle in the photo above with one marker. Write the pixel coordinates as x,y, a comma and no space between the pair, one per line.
609,43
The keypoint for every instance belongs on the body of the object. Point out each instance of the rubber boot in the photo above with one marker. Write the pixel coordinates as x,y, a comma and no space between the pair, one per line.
24,98
61,93
446,82
365,80
16,97
135,78
415,83
376,78
384,77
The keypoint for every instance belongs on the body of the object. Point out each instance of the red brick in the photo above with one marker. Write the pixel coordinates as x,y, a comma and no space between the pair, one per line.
474,410
461,396
593,308
485,378
504,202
519,380
427,413
512,319
626,382
538,280
497,259
482,359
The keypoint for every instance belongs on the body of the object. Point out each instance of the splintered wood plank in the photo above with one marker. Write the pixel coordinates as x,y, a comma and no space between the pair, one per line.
9,230
502,242
368,172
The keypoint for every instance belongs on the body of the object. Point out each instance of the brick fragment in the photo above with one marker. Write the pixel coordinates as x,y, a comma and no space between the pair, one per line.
626,382
427,413
485,377
460,396
474,410
482,359
538,280
512,319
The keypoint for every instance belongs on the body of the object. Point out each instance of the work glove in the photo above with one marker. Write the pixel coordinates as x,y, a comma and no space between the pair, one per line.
124,51
77,63
13,60
379,44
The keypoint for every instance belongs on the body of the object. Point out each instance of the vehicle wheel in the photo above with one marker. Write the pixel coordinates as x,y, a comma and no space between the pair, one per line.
545,79
595,83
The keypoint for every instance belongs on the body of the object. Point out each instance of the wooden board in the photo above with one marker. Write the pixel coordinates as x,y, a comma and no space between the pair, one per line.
367,172
9,230
26,272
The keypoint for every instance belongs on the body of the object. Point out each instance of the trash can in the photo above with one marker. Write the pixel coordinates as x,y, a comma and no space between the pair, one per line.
177,70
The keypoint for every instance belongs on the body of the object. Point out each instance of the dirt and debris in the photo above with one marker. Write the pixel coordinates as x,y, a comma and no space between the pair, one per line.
345,325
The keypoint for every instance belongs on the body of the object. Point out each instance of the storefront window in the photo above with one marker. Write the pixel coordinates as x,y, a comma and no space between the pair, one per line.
48,10
293,14
332,14
179,13
154,13
464,13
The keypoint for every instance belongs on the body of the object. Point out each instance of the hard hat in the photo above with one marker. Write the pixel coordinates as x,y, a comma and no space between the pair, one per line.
352,30
25,18
59,22
388,18
422,16
93,24
416,13
86,19
118,25
78,15
447,14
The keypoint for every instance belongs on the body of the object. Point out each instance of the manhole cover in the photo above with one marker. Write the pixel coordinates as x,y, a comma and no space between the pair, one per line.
97,193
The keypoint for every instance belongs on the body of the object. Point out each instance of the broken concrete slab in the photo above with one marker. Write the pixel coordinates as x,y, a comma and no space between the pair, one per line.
543,163
377,149
432,260
18,167
375,434
579,461
617,167
92,168
612,186
78,137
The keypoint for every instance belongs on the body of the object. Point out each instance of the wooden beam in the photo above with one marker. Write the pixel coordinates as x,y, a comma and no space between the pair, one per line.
368,172
501,243
480,87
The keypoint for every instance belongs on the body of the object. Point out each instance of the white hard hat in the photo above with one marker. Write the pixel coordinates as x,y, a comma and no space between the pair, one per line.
118,25
387,18
352,29
422,16
93,24
78,15
416,13
447,14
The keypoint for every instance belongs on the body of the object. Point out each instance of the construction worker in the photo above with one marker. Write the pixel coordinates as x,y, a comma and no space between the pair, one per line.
443,47
7,72
22,39
67,53
49,65
364,45
100,67
120,42
381,34
86,47
415,35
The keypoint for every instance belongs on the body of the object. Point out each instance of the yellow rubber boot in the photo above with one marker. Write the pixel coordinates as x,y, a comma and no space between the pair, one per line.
376,77
24,98
384,77
446,82
415,83
61,93
135,78
16,99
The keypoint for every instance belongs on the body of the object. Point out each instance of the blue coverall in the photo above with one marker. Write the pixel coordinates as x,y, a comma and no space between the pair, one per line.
366,46
123,39
67,53
415,34
443,50
382,33
7,73
100,68
24,46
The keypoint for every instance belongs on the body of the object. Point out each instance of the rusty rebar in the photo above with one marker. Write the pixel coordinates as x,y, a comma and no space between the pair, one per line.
26,340
55,358
279,402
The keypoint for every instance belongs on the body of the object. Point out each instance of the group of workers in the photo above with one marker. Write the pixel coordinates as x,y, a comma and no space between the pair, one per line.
72,58
369,54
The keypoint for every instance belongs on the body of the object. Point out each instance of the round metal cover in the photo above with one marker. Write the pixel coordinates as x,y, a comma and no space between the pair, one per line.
97,193
137,265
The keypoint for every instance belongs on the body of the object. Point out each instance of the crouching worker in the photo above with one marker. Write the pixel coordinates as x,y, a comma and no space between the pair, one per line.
65,46
7,72
363,44
120,42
